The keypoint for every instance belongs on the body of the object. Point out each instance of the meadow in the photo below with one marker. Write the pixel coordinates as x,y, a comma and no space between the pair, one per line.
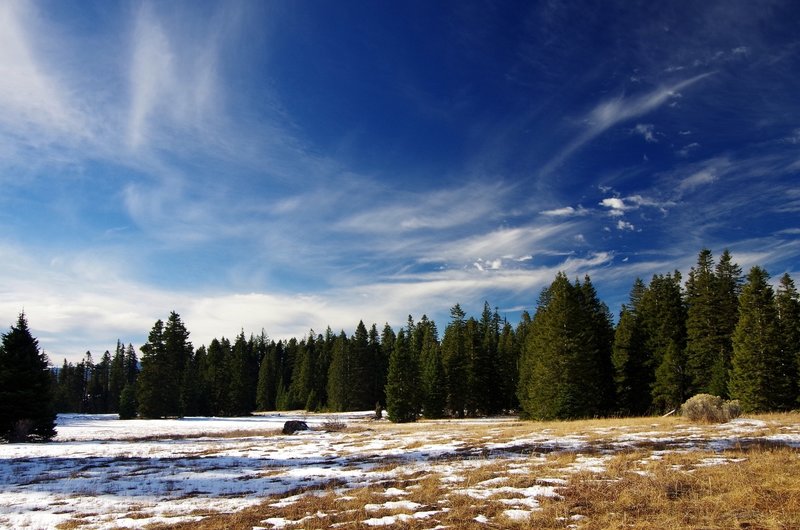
350,471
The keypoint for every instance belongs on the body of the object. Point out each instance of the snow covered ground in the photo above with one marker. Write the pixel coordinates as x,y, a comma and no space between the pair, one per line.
102,472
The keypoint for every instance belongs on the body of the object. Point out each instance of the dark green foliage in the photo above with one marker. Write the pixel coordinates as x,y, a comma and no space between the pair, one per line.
456,362
362,359
216,376
600,340
127,402
788,306
711,297
728,288
760,379
631,367
164,359
267,389
241,390
508,351
702,338
484,377
566,362
401,382
662,315
27,410
433,380
340,396
379,367
559,367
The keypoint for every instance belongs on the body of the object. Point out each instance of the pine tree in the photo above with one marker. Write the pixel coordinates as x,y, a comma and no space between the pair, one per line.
400,386
302,383
131,365
600,341
759,379
217,375
164,359
361,369
339,384
456,362
788,305
379,367
662,315
240,392
728,286
703,347
152,388
27,410
193,389
127,402
712,312
485,379
507,367
558,369
178,351
116,377
433,380
267,389
631,366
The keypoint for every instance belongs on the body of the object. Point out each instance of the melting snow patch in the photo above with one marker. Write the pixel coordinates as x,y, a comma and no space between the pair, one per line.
395,492
517,515
392,505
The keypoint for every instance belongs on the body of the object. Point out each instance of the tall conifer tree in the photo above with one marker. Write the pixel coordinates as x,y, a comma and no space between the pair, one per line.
558,370
788,304
401,382
662,315
27,410
456,362
759,379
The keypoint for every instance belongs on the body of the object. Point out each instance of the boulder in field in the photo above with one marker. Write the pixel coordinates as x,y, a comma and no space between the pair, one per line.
292,426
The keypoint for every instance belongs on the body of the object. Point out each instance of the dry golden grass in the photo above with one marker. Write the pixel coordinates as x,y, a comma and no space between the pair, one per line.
646,484
761,491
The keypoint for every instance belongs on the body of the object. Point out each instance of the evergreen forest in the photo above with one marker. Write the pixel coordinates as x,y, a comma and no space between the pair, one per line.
719,332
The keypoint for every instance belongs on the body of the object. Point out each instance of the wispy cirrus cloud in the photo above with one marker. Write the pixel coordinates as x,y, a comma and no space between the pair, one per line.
35,103
614,111
566,211
647,131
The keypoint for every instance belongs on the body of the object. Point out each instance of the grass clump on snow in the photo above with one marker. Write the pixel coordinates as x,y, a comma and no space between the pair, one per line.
706,408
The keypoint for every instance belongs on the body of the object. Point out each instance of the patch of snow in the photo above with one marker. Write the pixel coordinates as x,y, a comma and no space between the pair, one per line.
392,505
517,515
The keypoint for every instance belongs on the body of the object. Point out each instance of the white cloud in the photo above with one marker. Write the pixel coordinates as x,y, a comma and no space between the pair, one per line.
34,103
567,211
647,132
614,111
437,210
700,178
687,149
173,79
615,203
74,305
490,245
624,225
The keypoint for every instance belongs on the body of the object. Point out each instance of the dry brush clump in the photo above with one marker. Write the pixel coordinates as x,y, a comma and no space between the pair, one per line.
735,489
706,408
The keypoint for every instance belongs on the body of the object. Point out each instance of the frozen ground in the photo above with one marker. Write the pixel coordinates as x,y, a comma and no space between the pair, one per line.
102,472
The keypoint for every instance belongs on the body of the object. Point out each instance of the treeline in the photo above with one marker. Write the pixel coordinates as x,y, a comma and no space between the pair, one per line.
718,333
98,388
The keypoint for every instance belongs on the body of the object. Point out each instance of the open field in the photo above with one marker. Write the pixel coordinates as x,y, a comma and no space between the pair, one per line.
485,473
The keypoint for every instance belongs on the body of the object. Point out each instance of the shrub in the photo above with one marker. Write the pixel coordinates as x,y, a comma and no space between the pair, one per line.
333,425
710,409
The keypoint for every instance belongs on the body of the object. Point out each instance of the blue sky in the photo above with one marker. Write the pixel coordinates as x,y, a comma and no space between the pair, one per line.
289,165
